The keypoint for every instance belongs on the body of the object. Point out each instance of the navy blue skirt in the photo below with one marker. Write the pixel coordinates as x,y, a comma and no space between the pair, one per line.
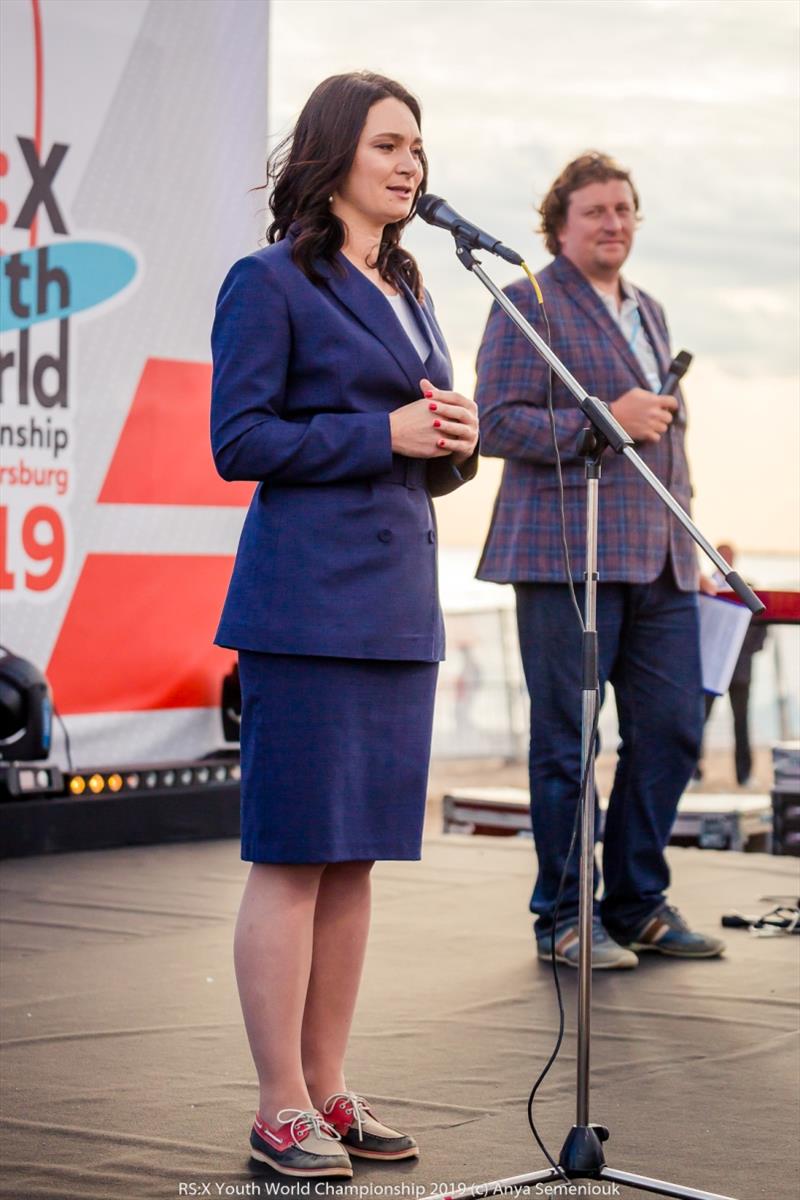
335,755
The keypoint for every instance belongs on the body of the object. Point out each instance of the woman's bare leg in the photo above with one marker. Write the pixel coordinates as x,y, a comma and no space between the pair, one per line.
341,928
273,945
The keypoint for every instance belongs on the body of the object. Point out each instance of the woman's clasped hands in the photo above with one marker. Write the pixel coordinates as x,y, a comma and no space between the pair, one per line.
439,424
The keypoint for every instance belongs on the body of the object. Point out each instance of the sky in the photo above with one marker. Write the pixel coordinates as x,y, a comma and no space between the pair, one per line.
700,100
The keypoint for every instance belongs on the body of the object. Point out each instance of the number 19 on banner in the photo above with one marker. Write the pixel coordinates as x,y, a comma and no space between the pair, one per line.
32,549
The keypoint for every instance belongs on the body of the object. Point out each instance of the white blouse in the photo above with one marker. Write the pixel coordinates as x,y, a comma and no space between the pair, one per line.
405,316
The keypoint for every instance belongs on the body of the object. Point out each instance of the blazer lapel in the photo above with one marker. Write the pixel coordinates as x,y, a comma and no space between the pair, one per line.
657,339
437,361
661,348
587,299
367,304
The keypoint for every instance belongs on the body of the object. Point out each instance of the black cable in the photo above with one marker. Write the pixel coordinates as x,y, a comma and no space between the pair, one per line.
559,895
67,744
584,781
561,504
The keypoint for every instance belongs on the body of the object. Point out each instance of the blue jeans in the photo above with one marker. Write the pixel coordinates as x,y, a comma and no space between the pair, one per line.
649,652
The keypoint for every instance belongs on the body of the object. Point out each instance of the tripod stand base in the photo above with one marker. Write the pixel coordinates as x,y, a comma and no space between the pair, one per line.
582,1153
582,1158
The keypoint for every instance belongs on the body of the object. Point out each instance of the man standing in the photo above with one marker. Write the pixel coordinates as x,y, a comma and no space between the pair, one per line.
614,339
739,688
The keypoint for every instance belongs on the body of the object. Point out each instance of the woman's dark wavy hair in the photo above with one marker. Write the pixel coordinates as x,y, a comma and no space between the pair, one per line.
316,157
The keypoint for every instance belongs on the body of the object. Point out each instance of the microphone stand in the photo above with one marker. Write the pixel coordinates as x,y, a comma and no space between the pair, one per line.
582,1153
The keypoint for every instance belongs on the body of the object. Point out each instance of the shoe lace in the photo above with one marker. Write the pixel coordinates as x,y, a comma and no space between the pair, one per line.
599,934
354,1104
673,918
305,1120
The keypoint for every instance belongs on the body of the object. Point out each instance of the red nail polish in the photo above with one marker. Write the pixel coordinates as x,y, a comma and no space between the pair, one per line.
428,395
440,445
433,407
437,424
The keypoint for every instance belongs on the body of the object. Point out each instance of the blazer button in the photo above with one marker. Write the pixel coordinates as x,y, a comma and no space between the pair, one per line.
431,536
384,535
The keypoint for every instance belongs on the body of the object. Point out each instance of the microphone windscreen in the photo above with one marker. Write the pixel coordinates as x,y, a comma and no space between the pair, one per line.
427,206
681,363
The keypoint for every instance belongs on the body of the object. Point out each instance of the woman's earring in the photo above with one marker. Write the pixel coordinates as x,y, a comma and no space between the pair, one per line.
330,199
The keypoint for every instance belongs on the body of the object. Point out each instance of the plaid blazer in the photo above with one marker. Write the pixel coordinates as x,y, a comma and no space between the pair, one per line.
636,532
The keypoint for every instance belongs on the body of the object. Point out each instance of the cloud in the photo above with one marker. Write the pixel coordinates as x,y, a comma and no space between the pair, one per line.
699,100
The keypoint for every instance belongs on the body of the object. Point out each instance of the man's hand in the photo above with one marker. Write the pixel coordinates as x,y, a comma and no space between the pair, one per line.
644,415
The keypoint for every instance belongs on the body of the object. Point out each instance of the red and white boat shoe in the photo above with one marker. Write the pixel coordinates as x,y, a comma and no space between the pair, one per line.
304,1144
362,1133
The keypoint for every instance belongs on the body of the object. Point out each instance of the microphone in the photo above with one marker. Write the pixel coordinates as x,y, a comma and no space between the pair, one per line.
436,211
675,373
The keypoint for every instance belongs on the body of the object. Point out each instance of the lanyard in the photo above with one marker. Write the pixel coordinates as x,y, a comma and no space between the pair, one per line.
636,318
637,325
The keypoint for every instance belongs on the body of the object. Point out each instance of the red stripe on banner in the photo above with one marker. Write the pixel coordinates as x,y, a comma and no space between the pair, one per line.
39,94
163,455
138,635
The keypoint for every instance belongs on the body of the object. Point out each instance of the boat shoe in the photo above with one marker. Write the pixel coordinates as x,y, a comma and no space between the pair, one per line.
362,1133
303,1144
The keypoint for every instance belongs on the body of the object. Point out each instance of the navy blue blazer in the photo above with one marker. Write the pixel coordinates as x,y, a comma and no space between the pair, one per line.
338,551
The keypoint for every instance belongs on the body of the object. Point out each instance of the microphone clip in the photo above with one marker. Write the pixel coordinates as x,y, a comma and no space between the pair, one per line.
465,251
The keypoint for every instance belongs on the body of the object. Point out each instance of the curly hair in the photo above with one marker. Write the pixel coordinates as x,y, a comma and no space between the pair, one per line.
316,157
590,167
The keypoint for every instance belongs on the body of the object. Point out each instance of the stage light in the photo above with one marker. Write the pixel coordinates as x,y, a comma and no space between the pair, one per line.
26,781
26,710
34,779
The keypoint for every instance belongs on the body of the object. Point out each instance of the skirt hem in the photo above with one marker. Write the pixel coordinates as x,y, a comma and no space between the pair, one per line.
350,856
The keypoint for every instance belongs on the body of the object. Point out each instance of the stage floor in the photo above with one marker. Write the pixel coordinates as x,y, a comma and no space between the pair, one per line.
126,1071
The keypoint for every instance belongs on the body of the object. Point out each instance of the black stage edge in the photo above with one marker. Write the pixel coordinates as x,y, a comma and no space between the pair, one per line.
56,824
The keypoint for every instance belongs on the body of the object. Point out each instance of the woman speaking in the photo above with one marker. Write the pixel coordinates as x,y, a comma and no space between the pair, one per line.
331,390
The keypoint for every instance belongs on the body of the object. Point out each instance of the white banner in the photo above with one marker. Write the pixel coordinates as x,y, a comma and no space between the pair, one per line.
131,135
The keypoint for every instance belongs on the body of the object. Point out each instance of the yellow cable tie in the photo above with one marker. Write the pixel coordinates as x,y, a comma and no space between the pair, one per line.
534,283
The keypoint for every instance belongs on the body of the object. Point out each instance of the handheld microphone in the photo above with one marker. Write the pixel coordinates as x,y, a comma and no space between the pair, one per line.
675,373
436,211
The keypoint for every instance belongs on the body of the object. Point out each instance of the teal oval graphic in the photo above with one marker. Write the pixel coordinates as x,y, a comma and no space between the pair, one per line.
47,283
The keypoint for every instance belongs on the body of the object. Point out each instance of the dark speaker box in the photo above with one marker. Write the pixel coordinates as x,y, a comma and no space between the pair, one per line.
786,822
